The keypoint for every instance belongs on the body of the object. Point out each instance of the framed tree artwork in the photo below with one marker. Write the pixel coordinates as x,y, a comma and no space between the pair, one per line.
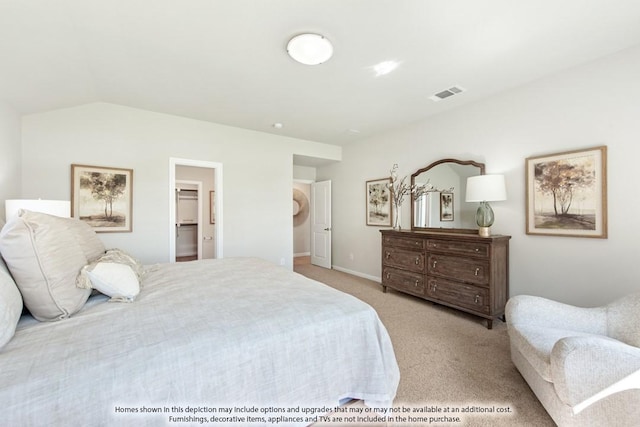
446,206
378,196
567,193
102,197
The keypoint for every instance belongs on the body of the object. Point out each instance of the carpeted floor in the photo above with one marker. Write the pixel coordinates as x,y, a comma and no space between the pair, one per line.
448,360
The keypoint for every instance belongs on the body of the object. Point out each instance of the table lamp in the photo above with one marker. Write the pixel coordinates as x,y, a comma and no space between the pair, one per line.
52,207
484,189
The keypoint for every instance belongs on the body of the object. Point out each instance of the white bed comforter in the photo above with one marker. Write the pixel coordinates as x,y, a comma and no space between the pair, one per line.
237,332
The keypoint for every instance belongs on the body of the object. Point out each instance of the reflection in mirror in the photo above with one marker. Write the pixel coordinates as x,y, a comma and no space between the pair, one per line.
445,209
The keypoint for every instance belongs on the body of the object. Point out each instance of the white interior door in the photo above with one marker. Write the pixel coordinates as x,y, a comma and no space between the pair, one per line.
321,224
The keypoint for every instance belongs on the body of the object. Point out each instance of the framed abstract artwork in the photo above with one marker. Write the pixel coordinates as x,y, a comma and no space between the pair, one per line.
378,194
567,193
102,197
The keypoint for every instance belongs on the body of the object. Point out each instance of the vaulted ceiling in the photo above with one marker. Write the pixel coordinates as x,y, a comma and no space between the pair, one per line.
225,60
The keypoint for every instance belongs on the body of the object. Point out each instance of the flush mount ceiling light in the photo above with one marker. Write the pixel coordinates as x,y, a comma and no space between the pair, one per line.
310,49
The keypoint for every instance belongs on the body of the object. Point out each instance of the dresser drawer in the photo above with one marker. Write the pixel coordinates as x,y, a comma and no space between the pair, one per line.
460,295
468,270
459,248
406,260
403,281
403,242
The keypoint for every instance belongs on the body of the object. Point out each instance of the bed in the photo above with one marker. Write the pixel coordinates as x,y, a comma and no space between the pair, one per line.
235,341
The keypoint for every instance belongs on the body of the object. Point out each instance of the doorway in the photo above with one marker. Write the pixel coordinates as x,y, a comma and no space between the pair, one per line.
195,219
301,222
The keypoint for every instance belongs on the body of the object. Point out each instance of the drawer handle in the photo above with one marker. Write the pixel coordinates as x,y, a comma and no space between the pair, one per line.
477,249
388,255
417,243
477,271
434,287
388,275
417,282
477,300
417,260
434,264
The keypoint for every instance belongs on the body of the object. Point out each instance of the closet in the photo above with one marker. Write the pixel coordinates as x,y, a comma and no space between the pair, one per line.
186,222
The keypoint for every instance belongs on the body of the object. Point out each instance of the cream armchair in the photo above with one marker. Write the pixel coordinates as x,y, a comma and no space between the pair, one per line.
583,364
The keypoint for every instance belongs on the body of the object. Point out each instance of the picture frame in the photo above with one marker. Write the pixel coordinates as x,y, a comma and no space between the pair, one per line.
446,206
212,207
102,197
566,194
378,197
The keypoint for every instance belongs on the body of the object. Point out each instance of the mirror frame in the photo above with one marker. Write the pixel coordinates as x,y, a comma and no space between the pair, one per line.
432,165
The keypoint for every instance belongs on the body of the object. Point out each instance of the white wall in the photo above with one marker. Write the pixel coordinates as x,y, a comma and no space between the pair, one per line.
591,105
304,173
257,172
10,161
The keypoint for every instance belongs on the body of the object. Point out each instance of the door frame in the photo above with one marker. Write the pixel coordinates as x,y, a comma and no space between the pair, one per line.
217,174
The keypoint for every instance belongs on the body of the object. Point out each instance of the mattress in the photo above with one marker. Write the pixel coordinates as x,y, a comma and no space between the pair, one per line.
200,337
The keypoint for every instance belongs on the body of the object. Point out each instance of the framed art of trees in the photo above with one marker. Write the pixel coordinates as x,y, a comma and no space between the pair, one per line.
102,197
379,202
567,193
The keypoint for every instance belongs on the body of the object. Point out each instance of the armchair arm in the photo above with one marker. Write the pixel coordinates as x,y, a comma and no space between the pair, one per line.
582,367
538,311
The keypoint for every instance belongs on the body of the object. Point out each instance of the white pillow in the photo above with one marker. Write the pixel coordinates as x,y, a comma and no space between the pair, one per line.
10,305
118,281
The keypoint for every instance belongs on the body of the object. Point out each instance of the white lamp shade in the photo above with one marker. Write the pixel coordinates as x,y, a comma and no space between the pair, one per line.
486,188
52,207
310,49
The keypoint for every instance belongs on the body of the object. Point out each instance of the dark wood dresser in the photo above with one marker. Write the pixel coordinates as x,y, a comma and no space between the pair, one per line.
463,271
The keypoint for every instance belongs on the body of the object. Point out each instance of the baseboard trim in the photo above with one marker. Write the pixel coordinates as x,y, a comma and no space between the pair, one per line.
357,273
302,254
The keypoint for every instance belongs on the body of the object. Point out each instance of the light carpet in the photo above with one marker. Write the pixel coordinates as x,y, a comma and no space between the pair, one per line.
448,360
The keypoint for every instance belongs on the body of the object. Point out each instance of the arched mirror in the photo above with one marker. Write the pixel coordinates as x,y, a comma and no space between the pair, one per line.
445,209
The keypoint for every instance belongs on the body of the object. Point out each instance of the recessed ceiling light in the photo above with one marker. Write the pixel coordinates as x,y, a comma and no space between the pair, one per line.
310,49
385,67
278,125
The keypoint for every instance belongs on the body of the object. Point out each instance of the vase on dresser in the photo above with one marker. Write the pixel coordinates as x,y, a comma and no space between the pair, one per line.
397,216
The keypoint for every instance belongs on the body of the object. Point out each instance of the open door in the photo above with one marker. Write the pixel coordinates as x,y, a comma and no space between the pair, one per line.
321,224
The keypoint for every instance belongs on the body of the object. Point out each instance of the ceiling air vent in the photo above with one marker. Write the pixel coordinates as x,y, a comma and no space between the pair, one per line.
447,93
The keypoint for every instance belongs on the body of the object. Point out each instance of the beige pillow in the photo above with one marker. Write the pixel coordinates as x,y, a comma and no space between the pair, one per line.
44,257
88,240
10,305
